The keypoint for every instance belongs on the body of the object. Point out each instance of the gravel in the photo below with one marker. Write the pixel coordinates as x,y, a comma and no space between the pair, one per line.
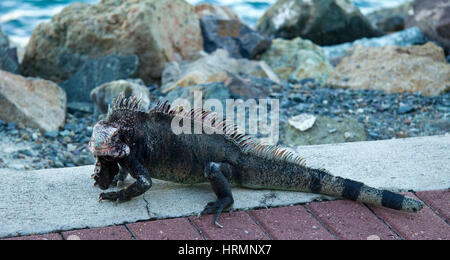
26,149
385,116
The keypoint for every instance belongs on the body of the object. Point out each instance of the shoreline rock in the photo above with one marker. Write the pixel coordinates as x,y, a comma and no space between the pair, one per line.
235,87
103,95
325,22
419,68
214,67
433,18
391,19
238,39
408,37
8,60
95,72
8,55
217,75
82,31
32,102
298,59
215,90
221,12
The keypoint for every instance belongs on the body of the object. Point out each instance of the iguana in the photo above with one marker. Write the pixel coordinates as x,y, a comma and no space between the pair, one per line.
143,144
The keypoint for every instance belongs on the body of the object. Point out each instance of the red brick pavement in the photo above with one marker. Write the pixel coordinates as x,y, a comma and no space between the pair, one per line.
166,229
106,233
349,220
318,220
424,225
291,223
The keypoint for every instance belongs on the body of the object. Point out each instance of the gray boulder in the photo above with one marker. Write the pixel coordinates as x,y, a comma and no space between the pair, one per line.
237,38
325,22
33,102
96,72
246,87
394,69
8,60
8,55
236,87
391,19
298,59
433,18
103,95
408,37
158,32
214,67
222,12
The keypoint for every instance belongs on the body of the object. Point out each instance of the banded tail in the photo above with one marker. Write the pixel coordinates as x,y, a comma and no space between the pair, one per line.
324,183
294,177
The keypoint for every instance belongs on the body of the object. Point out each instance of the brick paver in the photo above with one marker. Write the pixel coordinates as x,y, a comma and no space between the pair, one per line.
439,200
351,220
290,223
319,220
237,226
167,229
423,225
105,233
51,236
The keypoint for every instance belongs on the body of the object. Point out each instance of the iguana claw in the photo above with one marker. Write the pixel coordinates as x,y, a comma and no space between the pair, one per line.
217,224
115,197
216,208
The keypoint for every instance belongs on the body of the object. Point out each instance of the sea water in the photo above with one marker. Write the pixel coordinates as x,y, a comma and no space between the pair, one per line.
18,18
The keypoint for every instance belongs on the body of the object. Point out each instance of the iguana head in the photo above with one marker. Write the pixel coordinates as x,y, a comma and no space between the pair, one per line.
106,142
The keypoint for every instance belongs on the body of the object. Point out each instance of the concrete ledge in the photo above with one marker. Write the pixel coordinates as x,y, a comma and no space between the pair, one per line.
420,163
63,199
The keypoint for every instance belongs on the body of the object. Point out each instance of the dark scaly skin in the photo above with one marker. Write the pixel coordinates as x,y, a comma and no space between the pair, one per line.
144,146
104,173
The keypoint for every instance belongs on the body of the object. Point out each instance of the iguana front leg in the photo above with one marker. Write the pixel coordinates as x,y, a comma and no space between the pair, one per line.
143,183
220,176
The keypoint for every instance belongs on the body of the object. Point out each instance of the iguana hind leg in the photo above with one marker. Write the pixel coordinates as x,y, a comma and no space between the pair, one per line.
220,176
